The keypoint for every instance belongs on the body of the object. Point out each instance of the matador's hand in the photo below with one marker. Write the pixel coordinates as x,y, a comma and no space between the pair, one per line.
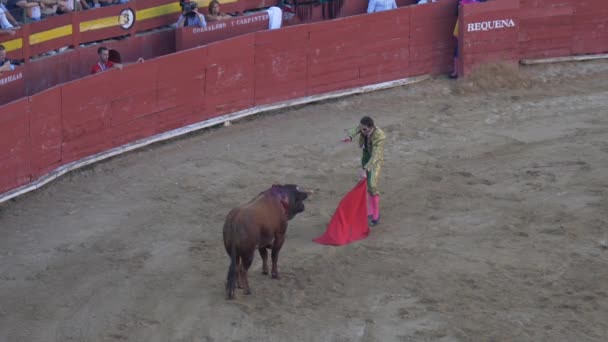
362,174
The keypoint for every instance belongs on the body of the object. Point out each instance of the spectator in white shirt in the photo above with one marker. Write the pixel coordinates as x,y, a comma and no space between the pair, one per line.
380,5
8,24
7,21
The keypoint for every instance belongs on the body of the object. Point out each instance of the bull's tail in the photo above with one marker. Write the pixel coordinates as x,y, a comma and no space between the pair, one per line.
232,273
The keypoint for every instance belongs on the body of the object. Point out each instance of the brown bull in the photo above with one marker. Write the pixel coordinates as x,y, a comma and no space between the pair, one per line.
260,224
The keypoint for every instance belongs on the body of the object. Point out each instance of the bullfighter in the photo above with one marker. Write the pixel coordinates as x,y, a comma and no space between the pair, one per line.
371,140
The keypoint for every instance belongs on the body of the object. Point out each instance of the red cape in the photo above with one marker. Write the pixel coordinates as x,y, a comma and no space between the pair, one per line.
349,222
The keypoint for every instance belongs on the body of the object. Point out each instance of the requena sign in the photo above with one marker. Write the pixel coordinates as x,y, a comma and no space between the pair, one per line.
490,25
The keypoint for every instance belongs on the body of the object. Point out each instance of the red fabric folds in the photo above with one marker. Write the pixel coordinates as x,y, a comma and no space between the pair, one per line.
349,222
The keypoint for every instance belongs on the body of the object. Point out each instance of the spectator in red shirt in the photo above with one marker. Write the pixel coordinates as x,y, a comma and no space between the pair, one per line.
104,64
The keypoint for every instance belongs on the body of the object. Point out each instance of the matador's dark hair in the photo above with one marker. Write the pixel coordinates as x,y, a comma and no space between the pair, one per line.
367,121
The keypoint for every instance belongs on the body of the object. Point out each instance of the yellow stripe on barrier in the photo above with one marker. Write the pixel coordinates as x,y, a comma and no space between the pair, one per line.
99,23
158,11
12,45
55,33
205,3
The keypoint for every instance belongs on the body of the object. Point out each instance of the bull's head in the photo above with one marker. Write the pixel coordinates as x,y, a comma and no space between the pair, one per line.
292,198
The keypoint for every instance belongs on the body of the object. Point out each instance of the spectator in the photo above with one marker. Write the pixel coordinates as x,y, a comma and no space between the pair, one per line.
190,16
103,3
380,5
105,63
5,64
7,23
115,57
455,71
7,32
76,4
288,7
53,7
81,4
31,8
35,8
214,12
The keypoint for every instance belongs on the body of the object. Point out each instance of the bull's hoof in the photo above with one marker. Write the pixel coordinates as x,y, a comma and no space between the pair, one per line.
275,276
265,272
248,292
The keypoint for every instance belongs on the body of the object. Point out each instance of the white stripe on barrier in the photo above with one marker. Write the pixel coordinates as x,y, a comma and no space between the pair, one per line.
563,59
60,171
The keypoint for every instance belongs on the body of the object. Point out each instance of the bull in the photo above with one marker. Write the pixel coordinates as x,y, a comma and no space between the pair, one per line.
260,224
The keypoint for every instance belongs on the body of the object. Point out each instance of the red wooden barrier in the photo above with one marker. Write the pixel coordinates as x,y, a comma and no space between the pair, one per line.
431,45
88,134
99,112
15,45
133,99
333,62
47,72
385,53
75,28
280,64
50,33
242,5
79,27
12,85
181,89
229,76
488,33
546,28
105,22
45,131
151,14
138,15
189,37
15,155
590,27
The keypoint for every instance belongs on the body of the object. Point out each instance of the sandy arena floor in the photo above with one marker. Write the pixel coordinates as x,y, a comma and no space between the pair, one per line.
495,203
